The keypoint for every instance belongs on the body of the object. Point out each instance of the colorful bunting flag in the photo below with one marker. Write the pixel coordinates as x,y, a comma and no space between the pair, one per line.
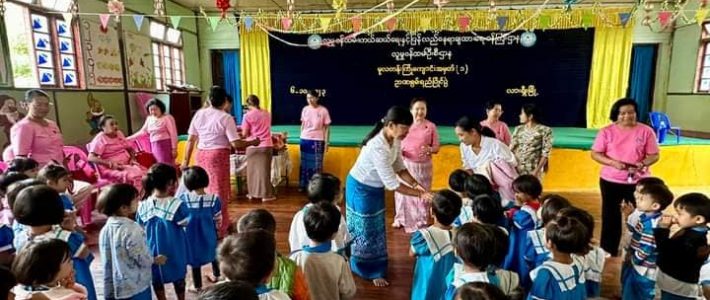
357,23
138,20
67,17
325,23
104,20
286,23
464,22
214,21
175,20
248,22
502,20
664,17
391,24
587,20
624,18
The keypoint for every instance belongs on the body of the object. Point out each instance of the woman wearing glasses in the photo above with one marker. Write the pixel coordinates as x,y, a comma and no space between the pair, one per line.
35,136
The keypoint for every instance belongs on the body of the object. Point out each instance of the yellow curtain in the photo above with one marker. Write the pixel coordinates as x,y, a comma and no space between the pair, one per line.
611,62
255,73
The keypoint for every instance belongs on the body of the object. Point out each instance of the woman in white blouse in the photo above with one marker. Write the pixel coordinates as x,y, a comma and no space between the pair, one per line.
482,153
378,167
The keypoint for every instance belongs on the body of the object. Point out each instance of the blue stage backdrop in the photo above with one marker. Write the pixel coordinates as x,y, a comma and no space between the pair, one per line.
457,73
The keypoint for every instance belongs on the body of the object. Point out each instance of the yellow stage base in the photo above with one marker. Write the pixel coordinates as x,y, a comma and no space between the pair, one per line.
570,170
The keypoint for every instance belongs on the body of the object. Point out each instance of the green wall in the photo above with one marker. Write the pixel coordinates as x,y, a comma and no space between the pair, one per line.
686,108
225,36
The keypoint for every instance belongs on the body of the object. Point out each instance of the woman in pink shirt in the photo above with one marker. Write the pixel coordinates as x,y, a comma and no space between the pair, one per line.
257,125
160,127
215,133
493,111
421,142
315,136
113,154
36,136
625,149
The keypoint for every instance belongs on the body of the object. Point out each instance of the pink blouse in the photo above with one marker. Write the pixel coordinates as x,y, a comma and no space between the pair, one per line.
629,146
257,123
159,129
420,135
501,130
42,143
214,128
314,121
111,148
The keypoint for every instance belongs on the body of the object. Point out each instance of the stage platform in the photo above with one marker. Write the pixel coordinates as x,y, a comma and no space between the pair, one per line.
570,169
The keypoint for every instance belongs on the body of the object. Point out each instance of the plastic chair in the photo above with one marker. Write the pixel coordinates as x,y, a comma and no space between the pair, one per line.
662,125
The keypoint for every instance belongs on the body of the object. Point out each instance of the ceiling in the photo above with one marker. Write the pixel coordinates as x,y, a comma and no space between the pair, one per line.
325,5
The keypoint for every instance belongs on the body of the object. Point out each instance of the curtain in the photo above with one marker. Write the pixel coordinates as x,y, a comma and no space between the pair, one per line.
256,65
230,65
611,60
643,65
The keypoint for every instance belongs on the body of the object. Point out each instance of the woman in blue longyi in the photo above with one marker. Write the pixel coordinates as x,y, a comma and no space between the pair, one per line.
378,167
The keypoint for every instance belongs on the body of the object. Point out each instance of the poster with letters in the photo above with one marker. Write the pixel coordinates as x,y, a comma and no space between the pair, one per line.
101,55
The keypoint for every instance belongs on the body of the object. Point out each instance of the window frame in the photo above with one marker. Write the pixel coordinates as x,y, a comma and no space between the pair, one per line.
165,53
53,19
703,54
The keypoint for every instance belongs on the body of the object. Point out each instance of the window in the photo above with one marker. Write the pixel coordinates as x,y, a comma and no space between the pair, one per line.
43,47
168,60
703,77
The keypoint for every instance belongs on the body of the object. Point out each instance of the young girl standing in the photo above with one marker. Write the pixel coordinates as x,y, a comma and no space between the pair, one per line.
315,136
125,256
164,218
205,220
524,219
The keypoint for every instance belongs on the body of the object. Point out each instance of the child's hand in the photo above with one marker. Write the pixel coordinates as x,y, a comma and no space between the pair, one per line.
626,208
160,260
666,221
69,221
68,282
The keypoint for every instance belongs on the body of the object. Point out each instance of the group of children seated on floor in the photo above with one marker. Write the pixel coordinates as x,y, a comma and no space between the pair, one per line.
540,249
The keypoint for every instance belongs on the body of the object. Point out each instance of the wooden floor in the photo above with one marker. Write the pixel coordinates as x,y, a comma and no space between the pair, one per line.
400,264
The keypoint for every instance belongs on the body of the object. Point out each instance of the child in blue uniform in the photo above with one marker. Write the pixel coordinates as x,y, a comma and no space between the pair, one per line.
205,220
681,256
7,251
57,177
433,249
250,256
487,210
536,245
125,255
481,247
638,272
164,218
457,183
523,219
40,209
562,277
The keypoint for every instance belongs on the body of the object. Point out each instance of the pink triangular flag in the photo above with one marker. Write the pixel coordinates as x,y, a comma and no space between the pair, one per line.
104,20
464,21
391,24
357,23
286,23
664,17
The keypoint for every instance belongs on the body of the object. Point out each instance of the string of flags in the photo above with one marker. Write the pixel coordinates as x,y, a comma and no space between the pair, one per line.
293,22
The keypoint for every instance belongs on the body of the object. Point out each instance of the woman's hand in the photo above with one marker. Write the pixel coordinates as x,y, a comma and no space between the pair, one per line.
618,165
426,196
184,165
